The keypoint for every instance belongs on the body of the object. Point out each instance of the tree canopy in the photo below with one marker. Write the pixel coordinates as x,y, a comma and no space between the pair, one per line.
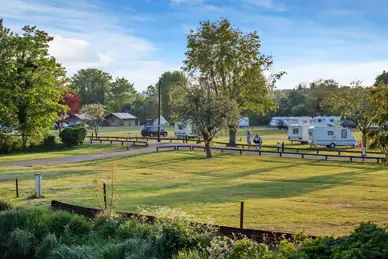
31,81
230,62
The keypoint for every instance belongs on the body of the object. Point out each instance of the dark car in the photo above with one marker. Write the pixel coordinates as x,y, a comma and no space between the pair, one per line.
151,131
348,124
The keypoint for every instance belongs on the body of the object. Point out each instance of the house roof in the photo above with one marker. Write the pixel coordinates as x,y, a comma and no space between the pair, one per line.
123,115
82,116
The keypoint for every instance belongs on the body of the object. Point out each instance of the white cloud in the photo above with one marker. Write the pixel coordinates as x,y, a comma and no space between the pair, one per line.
267,4
85,35
343,72
178,2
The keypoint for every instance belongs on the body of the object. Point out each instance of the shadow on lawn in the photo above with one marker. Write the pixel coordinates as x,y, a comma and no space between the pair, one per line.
257,190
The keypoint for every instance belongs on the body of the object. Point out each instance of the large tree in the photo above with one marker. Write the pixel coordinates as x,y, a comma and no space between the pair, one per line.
95,113
92,85
208,112
380,135
229,62
357,105
382,78
167,81
31,82
121,93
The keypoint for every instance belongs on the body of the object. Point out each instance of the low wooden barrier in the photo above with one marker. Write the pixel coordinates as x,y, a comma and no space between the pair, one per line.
261,236
132,142
280,153
162,139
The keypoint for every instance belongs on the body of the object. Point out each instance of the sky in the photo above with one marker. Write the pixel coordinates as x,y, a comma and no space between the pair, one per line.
344,40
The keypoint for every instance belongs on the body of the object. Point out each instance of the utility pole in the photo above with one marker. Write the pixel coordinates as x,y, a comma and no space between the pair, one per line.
159,110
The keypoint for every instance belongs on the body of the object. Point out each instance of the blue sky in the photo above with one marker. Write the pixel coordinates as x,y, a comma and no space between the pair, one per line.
140,39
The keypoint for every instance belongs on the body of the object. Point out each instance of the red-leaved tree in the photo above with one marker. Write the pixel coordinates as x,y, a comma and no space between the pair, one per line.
72,100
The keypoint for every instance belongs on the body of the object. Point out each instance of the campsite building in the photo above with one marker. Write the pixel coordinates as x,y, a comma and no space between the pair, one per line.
120,119
76,119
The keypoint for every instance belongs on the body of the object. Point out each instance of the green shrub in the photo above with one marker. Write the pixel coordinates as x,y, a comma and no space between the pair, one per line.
244,249
75,252
80,225
73,136
109,227
4,205
136,229
49,142
9,144
44,248
20,243
59,221
130,248
193,254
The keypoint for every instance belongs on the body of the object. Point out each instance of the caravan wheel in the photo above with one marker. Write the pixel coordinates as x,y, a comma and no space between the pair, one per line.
332,145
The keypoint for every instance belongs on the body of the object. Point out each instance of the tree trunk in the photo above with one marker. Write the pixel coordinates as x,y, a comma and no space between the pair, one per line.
364,138
207,149
24,140
232,135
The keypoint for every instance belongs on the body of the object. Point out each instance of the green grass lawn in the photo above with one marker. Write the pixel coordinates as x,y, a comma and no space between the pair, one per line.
283,194
85,149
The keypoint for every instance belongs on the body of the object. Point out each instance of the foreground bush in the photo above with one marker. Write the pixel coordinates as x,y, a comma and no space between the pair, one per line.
37,233
73,136
10,144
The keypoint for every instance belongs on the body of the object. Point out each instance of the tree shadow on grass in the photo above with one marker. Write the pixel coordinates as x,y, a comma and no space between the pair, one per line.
255,190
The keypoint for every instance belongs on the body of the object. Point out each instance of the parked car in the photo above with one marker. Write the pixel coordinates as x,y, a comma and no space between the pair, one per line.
151,131
348,124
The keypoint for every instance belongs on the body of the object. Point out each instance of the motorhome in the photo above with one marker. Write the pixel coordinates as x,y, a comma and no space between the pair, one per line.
331,136
184,129
276,121
244,122
326,120
299,133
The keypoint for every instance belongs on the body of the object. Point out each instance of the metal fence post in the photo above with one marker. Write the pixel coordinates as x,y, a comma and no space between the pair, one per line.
242,214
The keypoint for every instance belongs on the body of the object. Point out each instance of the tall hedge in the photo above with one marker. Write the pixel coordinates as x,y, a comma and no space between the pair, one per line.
73,136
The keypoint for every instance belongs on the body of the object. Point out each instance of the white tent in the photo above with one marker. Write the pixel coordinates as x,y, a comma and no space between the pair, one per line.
163,122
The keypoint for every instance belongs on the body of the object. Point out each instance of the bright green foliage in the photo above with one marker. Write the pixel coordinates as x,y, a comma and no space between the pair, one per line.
20,243
208,112
357,105
31,82
73,136
96,114
121,93
231,64
9,144
91,85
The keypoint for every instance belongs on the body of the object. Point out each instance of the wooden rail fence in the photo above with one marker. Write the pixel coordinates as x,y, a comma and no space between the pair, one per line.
261,236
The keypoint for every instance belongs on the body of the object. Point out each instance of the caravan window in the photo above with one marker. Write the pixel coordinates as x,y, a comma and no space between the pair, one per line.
330,133
310,132
181,126
295,131
331,120
344,133
294,121
319,120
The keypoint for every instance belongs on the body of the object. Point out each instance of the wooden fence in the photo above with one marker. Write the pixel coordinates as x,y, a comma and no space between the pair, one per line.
280,153
261,236
162,139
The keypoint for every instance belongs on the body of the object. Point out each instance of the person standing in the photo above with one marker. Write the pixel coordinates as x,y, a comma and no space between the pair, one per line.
249,139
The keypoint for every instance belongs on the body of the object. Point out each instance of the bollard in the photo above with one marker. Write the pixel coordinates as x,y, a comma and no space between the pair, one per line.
38,185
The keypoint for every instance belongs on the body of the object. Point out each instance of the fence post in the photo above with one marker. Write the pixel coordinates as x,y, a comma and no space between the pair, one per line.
105,206
242,214
17,188
38,185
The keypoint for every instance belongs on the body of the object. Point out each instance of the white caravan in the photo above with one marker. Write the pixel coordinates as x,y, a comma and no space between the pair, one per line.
326,120
331,136
183,130
300,133
244,122
304,120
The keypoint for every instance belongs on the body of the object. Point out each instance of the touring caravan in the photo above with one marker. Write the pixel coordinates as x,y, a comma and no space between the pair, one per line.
331,136
326,120
276,121
184,129
300,133
305,120
244,122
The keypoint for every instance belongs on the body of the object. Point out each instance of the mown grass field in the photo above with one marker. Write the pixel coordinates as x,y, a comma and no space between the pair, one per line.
62,152
282,194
